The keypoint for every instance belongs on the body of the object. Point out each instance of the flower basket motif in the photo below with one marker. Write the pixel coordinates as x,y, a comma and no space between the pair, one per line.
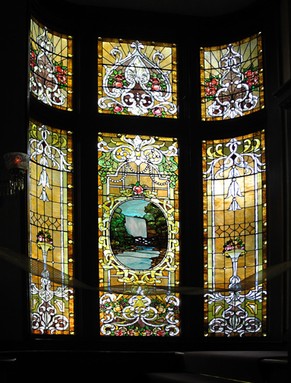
44,240
234,248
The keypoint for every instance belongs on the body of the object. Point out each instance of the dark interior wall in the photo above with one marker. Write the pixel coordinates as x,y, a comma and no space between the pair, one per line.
283,97
13,63
285,12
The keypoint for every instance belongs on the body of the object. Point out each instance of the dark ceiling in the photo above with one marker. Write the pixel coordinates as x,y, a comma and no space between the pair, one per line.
203,8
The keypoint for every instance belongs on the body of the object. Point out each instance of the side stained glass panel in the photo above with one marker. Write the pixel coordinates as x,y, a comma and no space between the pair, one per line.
50,206
51,69
137,78
232,79
138,210
235,235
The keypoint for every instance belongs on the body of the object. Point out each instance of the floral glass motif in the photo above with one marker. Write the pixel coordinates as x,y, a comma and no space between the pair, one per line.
232,79
50,189
137,78
234,188
50,78
138,214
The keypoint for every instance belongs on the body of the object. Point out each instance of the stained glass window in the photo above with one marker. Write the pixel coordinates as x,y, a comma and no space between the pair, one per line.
138,210
140,266
137,78
50,202
232,79
234,189
50,79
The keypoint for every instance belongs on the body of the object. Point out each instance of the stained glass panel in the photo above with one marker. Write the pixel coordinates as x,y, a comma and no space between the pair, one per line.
232,79
50,204
137,78
138,210
51,72
235,235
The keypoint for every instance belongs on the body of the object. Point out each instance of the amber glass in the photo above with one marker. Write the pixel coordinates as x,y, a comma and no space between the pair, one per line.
50,204
137,78
138,211
50,78
234,197
232,79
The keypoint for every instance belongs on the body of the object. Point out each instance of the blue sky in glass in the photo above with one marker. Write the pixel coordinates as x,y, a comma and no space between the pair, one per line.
134,208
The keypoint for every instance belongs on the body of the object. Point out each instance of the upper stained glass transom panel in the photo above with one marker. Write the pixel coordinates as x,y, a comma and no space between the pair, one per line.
50,79
232,79
137,78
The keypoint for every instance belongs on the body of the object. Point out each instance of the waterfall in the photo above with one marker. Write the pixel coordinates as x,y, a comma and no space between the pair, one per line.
136,226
